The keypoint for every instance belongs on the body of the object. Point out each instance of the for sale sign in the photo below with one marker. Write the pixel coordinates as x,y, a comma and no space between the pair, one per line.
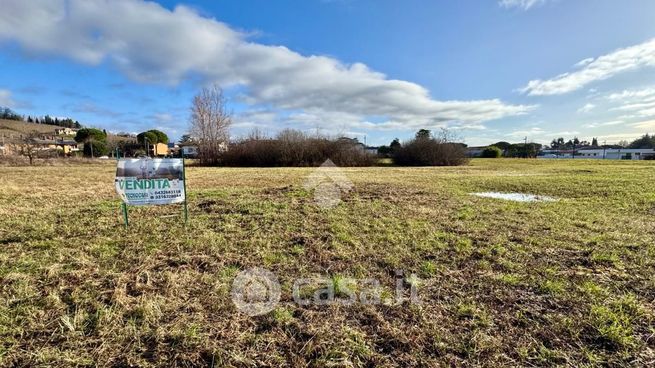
150,181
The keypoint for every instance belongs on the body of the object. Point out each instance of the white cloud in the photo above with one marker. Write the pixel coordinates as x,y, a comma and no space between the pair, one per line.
645,93
584,62
532,132
648,125
638,103
566,133
523,4
600,68
150,43
5,99
586,108
607,123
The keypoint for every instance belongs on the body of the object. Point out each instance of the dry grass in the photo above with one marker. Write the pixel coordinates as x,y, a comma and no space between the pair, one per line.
501,283
14,128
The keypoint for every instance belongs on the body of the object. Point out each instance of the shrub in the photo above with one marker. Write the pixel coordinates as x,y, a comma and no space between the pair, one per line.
99,149
491,152
428,151
294,148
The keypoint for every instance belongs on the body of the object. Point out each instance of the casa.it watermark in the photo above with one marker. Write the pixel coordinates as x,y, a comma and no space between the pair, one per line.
257,291
329,183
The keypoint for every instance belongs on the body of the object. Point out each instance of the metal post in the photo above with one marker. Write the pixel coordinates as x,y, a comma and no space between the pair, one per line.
186,209
125,216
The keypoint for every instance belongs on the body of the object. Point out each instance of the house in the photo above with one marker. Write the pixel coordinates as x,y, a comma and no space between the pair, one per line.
159,149
65,131
173,149
372,150
67,146
191,149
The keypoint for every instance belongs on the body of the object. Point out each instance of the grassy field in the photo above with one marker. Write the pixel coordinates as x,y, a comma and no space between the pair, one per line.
500,283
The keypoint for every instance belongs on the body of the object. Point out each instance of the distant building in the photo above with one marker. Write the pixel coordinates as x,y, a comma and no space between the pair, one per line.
67,146
191,149
159,149
188,149
616,153
65,131
173,149
372,150
601,153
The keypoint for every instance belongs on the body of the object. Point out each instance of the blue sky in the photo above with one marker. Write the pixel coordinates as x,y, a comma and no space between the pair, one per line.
487,70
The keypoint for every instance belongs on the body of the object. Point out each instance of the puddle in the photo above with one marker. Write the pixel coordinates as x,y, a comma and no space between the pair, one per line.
517,197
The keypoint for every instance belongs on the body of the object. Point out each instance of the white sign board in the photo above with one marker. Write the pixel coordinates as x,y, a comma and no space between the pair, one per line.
148,181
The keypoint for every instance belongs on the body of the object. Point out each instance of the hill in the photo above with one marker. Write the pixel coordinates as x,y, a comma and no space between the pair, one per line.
11,128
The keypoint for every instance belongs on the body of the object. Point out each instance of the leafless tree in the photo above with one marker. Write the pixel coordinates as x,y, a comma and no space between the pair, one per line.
27,146
210,122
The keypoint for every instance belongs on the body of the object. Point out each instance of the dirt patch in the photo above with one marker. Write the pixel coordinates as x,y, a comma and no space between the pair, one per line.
516,197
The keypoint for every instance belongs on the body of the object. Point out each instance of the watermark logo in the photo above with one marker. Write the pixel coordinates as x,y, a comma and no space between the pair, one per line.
329,183
256,291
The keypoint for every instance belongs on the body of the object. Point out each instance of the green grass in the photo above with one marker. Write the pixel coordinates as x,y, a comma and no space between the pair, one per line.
500,283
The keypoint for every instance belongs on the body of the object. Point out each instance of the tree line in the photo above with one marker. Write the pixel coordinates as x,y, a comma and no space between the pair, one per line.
506,149
9,114
644,142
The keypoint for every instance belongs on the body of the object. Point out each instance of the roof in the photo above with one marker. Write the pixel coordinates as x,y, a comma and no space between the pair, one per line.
626,150
57,141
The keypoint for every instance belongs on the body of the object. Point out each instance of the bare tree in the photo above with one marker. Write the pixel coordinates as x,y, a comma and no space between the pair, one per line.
27,146
210,122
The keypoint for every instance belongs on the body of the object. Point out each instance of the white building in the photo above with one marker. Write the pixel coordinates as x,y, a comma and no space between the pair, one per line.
601,153
189,151
65,131
615,153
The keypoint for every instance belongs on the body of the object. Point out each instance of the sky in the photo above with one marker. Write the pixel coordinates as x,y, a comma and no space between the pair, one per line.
486,70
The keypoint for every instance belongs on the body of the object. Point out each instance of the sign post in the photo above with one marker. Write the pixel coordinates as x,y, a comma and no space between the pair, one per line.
146,181
186,209
125,217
